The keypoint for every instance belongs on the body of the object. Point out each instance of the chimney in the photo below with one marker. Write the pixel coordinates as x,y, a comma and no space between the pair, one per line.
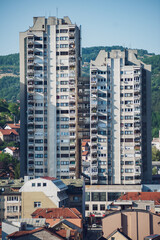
68,233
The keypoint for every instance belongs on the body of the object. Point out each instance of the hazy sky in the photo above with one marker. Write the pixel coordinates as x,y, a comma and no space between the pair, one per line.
130,23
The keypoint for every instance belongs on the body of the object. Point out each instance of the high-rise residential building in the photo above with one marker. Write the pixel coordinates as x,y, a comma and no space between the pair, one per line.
120,119
50,61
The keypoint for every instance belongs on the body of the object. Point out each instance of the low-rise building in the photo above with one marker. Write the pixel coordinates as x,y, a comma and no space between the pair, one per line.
99,197
9,135
15,126
156,142
13,151
136,224
42,192
149,201
76,194
10,199
10,226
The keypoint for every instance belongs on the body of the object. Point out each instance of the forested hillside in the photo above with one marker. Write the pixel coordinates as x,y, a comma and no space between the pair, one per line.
9,77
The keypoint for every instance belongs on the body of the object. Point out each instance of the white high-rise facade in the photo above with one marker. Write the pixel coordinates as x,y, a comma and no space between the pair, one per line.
49,68
120,119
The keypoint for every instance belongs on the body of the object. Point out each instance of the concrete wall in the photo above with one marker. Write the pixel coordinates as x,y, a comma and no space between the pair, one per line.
28,199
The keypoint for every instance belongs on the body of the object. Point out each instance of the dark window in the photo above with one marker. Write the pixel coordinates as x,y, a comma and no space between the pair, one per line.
98,196
63,53
87,207
95,207
102,207
63,30
38,45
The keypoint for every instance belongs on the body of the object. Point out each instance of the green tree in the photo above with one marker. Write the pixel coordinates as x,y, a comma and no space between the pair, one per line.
7,159
155,154
17,171
154,171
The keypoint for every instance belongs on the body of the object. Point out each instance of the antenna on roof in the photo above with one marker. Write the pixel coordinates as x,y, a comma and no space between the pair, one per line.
56,12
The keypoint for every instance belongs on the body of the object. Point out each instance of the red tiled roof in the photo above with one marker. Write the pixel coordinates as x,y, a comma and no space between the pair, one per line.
22,233
49,178
150,196
84,144
8,131
84,153
56,213
12,125
63,233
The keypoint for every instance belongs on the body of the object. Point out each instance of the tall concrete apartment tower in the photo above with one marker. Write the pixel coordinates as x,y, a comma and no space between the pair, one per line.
50,61
120,118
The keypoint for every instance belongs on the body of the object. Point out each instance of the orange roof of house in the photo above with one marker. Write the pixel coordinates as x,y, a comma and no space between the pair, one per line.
51,231
150,196
8,132
56,213
49,178
85,153
76,222
86,140
63,233
22,233
12,125
84,144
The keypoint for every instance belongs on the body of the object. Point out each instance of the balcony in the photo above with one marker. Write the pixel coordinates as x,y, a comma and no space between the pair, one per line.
71,73
30,53
72,52
71,36
93,81
30,90
94,120
71,45
93,103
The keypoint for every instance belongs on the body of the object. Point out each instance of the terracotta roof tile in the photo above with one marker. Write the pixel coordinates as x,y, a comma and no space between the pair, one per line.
63,233
57,213
152,196
49,178
12,125
22,233
85,153
8,131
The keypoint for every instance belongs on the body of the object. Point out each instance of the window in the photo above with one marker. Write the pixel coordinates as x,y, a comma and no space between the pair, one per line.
102,207
33,184
63,38
44,184
98,196
38,155
12,209
87,207
37,204
113,196
129,170
63,30
87,196
38,140
95,207
148,208
12,198
63,45
38,184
